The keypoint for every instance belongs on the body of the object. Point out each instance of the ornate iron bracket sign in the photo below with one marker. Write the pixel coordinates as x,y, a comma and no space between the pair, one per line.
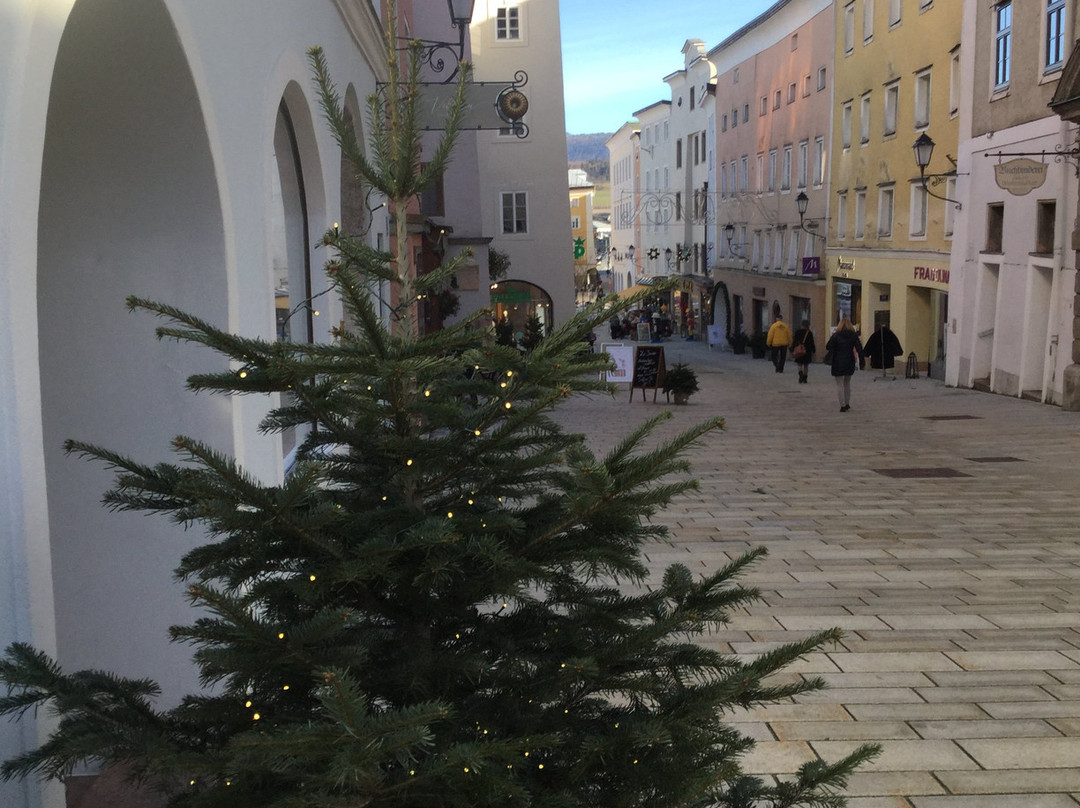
1060,154
489,105
663,207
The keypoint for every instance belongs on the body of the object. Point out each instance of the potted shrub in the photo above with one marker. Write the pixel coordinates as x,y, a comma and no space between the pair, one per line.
738,342
680,381
757,345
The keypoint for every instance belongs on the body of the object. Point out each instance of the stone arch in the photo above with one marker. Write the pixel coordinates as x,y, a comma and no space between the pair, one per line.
129,205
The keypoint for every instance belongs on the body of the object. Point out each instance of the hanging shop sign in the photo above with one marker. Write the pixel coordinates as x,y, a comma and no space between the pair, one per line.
845,266
811,265
1020,176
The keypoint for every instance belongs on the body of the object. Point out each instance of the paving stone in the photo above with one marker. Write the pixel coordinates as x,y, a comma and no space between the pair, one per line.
1024,781
1010,800
904,755
844,730
1009,660
777,757
1024,753
893,783
986,728
894,662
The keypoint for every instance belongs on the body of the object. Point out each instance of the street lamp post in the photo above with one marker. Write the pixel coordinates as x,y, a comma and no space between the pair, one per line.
923,147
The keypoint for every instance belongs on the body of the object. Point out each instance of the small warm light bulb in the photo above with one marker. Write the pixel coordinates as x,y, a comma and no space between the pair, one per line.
540,766
563,665
316,312
509,373
412,772
228,782
477,433
256,717
384,499
526,754
281,635
243,374
457,636
369,388
312,577
191,783
427,393
450,515
247,703
470,502
408,462
466,769
285,687
502,384
335,225
508,405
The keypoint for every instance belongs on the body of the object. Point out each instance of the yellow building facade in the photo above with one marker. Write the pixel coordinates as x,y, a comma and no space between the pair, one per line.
583,238
897,77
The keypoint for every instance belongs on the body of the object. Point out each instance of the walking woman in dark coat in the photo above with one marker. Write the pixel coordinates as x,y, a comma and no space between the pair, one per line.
844,348
803,349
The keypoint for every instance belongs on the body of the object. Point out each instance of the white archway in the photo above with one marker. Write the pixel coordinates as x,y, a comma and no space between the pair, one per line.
129,205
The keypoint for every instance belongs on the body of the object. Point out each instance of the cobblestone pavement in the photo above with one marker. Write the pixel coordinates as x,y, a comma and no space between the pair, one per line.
938,527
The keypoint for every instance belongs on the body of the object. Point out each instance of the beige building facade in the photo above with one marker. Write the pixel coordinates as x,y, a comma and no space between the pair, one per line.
890,235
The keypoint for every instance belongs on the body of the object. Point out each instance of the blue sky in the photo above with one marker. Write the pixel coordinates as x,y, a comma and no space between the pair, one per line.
617,52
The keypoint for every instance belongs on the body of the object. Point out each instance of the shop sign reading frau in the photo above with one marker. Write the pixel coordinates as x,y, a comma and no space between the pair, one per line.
1020,176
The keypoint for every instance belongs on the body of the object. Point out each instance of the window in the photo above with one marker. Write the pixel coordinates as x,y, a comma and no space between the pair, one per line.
678,152
678,206
1045,217
514,212
919,200
761,172
723,179
772,170
785,170
892,104
954,82
867,21
804,159
895,9
806,86
864,119
845,125
744,173
723,122
1002,44
794,42
507,23
693,141
575,222
821,79
922,99
841,215
745,113
791,90
776,100
691,98
733,177
735,76
950,209
849,27
704,146
860,214
995,226
1055,34
885,212
734,117
819,160
763,107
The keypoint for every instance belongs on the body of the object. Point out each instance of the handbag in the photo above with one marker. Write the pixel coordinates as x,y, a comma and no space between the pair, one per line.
798,353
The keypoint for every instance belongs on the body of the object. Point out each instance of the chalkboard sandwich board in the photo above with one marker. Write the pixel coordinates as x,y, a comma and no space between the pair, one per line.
648,370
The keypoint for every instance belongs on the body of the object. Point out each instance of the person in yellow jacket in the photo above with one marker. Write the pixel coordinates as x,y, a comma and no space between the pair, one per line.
778,339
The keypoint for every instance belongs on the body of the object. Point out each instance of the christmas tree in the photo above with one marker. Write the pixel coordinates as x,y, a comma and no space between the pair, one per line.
441,604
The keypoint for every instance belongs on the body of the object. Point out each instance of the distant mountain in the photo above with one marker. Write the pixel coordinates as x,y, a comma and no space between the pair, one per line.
581,148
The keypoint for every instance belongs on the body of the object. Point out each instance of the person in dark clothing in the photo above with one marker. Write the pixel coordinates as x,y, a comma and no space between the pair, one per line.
802,350
844,348
882,348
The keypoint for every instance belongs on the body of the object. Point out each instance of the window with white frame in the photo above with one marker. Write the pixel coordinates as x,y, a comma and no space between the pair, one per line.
778,250
793,250
895,11
860,215
785,170
885,212
1054,49
745,113
733,186
575,222
515,212
803,163
919,200
819,160
766,250
892,107
864,119
508,23
845,125
772,170
777,96
761,173
954,82
1002,44
841,215
821,73
723,179
763,107
791,92
922,99
849,27
806,86
867,21
744,173
950,208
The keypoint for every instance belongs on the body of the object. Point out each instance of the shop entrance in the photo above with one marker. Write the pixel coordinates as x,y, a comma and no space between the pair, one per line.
847,302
